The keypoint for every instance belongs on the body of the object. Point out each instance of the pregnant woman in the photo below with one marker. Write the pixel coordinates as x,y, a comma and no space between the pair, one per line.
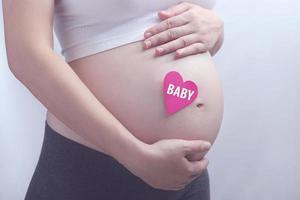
107,133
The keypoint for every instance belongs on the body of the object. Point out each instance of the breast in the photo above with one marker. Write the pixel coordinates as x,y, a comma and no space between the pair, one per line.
128,81
82,26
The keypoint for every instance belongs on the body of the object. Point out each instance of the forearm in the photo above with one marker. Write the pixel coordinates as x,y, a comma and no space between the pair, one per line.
53,82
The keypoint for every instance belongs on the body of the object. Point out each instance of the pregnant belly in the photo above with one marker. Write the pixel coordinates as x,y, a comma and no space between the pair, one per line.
128,81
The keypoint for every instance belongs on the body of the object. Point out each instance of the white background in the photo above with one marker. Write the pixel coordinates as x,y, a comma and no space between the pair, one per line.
257,154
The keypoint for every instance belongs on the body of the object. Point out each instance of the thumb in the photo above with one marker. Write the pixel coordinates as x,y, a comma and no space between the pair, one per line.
195,146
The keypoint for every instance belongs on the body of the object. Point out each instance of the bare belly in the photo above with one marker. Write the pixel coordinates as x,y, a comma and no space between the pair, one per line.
128,81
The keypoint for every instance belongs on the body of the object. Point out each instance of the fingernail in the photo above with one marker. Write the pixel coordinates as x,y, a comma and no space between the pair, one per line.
147,43
179,52
159,50
207,162
164,12
148,34
207,145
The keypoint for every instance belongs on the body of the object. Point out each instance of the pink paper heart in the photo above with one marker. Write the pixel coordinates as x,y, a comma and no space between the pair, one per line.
178,94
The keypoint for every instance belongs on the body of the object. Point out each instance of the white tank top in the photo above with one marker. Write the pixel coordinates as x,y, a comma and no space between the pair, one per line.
86,27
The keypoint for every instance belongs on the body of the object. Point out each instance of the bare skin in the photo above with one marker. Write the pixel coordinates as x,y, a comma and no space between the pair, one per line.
29,46
186,29
130,87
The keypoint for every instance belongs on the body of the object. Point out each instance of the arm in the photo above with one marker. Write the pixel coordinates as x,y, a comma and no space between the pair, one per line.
29,43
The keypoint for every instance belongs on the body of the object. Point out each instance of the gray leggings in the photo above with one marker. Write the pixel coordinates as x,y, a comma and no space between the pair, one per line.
68,170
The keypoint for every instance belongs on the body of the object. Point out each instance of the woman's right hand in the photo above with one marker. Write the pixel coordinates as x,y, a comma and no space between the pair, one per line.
164,164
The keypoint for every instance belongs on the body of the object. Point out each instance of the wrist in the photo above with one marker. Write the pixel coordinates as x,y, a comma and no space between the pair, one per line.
129,151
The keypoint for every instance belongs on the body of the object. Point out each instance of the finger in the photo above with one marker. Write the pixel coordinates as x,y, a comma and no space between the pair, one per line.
198,167
176,44
194,176
165,25
174,10
174,188
191,179
194,146
183,185
168,35
196,156
192,49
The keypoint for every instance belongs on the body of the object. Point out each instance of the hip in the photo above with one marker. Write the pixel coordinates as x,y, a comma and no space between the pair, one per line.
69,170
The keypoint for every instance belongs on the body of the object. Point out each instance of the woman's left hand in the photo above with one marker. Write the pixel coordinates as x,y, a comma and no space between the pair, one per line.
187,29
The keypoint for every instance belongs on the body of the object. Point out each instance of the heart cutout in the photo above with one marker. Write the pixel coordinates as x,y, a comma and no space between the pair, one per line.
178,94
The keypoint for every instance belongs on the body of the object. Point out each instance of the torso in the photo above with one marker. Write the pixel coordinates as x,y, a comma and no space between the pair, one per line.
127,80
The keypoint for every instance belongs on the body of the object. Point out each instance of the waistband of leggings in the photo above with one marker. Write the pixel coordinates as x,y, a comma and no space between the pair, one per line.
54,140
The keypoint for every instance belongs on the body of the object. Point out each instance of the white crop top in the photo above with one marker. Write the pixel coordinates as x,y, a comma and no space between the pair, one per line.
86,27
